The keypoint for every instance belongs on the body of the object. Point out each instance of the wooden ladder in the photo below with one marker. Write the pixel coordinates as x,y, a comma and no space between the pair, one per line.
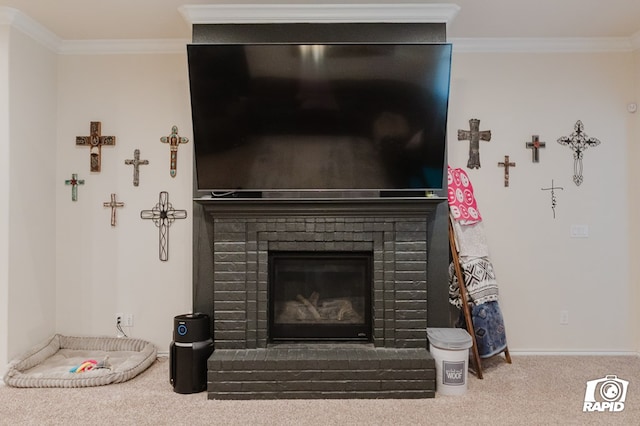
465,307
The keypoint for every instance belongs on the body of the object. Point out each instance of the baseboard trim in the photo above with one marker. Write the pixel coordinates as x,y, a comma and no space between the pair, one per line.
574,353
165,354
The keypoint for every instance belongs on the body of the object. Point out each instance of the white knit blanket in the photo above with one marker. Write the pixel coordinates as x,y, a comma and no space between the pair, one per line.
479,279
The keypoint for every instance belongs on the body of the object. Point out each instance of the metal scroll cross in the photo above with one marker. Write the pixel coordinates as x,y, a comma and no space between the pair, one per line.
474,136
535,146
174,140
74,182
113,204
554,201
578,141
136,162
163,215
506,164
95,141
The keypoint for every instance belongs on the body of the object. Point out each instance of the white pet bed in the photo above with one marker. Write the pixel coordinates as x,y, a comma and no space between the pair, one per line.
47,365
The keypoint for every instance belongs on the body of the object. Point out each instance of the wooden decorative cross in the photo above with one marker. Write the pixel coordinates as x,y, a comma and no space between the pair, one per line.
95,141
535,146
554,201
163,215
578,141
74,182
474,136
113,204
506,164
136,162
174,140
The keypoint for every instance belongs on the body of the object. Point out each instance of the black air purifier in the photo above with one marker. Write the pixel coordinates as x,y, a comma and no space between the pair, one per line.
190,349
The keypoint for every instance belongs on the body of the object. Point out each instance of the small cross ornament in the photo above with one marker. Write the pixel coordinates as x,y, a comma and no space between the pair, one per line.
113,204
535,146
174,140
95,141
474,135
506,164
554,201
163,215
74,182
136,162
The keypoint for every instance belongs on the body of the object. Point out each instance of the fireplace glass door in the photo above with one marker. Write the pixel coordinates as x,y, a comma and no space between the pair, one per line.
320,296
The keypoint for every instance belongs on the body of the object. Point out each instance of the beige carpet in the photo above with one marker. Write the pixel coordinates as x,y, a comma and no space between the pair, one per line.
534,390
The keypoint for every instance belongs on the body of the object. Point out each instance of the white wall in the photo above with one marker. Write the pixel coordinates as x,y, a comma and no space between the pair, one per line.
104,270
540,269
31,196
100,270
4,193
634,198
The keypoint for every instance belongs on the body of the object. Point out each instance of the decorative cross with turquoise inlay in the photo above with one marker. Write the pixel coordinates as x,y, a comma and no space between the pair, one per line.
74,182
174,140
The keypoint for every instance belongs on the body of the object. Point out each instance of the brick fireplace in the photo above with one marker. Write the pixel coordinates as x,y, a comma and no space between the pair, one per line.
234,288
406,240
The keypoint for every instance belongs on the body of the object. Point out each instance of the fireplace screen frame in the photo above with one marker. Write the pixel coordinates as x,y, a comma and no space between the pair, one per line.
309,331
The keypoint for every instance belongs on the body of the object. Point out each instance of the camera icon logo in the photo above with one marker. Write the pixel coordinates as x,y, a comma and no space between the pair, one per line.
605,394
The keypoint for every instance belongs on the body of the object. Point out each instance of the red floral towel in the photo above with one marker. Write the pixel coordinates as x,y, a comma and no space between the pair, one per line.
462,202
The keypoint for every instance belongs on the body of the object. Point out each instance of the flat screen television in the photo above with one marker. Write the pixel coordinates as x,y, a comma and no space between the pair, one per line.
319,117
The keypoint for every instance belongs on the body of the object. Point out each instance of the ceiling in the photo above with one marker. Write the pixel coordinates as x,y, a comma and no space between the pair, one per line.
160,19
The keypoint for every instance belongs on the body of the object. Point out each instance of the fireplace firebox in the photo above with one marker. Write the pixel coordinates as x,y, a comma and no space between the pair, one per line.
320,296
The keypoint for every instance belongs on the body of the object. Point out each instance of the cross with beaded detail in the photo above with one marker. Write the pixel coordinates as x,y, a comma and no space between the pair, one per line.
136,162
114,205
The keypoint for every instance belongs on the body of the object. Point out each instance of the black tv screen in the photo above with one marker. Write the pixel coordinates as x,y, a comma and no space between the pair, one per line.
280,117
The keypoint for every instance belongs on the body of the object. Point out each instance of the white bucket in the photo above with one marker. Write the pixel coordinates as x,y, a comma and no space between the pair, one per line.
450,350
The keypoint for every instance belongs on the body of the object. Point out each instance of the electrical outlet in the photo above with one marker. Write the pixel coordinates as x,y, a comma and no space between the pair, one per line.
126,320
564,317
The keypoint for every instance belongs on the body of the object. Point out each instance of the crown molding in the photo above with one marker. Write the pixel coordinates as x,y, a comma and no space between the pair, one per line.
543,45
117,47
22,22
318,13
402,12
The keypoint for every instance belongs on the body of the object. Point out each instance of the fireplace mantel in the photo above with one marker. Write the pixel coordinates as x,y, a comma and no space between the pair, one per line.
270,207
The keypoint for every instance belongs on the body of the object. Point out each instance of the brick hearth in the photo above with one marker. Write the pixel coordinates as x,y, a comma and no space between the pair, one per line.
246,364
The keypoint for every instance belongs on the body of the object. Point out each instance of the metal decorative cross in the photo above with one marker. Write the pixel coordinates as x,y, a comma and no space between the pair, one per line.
535,146
95,141
136,162
506,164
163,215
554,201
113,204
174,140
74,182
578,141
474,136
